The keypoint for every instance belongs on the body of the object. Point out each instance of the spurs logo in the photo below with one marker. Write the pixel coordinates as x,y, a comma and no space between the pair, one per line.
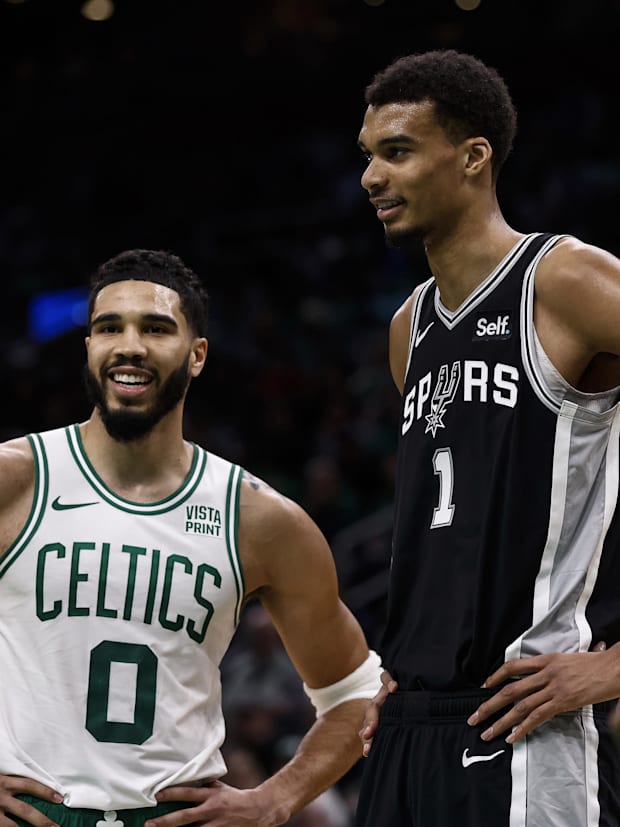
473,379
443,395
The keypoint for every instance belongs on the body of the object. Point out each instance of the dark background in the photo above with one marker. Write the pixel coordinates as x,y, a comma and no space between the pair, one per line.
226,133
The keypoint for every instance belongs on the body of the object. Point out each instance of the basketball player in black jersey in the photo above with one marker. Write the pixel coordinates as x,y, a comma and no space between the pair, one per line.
506,546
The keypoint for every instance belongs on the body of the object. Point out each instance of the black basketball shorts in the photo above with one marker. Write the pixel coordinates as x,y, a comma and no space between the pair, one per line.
428,768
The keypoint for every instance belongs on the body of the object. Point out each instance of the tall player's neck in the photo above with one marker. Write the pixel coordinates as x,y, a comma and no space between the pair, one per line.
143,470
462,258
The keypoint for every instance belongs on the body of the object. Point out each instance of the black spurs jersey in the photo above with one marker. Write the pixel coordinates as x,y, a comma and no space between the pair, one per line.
506,535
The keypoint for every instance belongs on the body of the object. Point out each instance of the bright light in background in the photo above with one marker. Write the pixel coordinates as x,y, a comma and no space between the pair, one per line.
98,9
468,5
56,312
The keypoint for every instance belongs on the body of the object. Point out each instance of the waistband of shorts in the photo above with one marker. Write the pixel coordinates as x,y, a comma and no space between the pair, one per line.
456,705
427,704
85,817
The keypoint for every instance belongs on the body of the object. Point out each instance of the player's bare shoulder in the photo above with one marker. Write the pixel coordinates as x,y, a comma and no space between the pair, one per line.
17,479
265,513
576,309
277,538
401,320
579,284
572,268
17,469
400,332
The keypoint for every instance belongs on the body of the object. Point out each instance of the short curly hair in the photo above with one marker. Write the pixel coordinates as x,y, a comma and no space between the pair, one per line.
160,267
470,97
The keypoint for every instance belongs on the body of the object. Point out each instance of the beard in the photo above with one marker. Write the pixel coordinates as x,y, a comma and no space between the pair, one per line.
406,240
411,246
127,425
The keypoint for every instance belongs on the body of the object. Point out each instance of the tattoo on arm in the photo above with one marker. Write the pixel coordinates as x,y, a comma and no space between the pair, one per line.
254,481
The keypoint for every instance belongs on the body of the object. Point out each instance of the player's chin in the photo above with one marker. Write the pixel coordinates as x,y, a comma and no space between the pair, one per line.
121,400
403,236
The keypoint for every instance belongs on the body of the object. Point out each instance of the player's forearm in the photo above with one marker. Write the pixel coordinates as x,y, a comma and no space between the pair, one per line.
612,671
328,750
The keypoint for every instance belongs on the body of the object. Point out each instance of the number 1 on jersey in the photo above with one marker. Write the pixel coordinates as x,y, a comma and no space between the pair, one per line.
443,467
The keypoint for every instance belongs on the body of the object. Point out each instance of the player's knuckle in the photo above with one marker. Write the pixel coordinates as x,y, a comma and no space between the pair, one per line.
537,715
508,692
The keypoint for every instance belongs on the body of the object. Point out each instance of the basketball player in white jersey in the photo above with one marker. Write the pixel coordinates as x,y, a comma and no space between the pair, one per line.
506,550
126,554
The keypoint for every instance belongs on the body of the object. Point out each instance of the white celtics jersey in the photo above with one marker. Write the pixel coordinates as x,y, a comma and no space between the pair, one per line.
114,617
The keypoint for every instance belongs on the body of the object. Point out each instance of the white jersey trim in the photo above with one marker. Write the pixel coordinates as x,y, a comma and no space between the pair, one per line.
518,800
232,522
528,344
452,318
593,807
416,311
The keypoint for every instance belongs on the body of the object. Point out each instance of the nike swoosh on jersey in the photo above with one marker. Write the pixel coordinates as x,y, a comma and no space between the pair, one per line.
468,760
422,334
58,506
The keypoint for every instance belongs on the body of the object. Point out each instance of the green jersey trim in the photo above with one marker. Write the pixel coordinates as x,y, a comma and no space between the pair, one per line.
39,501
178,497
232,534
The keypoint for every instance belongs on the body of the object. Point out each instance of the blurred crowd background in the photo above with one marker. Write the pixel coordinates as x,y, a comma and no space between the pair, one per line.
227,133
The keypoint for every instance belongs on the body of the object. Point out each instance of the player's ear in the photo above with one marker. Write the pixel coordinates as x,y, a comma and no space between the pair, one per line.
198,355
478,153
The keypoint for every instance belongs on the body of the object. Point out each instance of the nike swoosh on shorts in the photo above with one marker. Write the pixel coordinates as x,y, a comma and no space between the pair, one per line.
467,760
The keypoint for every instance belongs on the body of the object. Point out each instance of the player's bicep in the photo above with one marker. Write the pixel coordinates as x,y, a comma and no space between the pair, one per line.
400,332
16,471
578,286
17,480
321,635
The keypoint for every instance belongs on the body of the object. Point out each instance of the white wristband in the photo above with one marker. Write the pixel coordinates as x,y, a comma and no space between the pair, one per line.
363,682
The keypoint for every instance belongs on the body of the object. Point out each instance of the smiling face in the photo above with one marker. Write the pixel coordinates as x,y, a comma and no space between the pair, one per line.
416,177
141,356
